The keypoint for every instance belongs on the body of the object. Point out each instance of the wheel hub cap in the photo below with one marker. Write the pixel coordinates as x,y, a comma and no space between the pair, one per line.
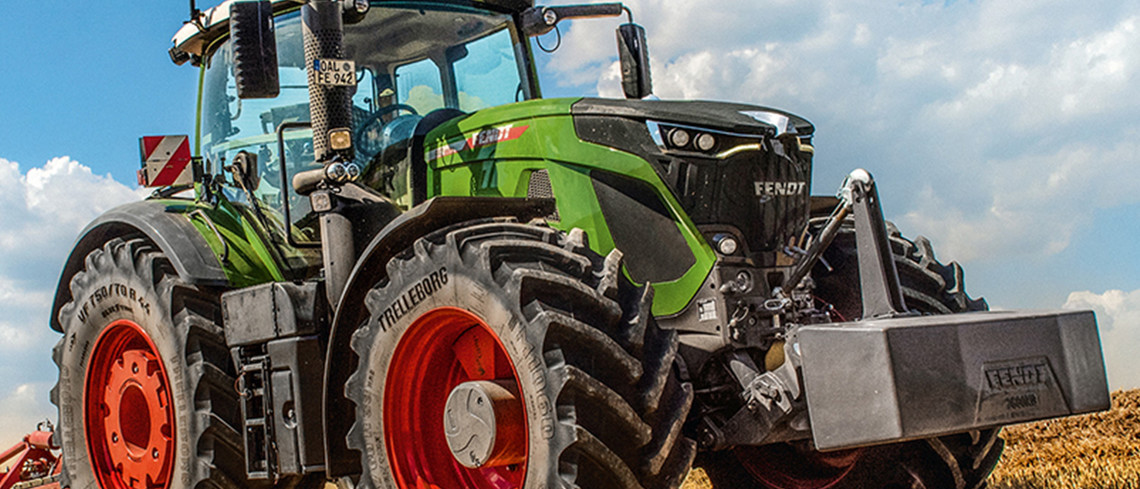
482,421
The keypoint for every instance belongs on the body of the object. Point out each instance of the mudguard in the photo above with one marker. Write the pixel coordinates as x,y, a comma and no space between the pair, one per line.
171,232
397,236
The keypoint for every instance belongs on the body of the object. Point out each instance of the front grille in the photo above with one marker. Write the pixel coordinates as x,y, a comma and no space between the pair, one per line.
764,193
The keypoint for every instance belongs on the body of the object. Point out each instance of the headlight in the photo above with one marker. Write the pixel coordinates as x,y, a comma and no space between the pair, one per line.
680,138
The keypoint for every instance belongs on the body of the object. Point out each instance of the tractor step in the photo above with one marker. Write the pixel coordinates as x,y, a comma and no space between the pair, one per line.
887,380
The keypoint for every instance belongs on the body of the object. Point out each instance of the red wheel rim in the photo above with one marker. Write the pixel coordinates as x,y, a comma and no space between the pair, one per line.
785,466
443,348
127,411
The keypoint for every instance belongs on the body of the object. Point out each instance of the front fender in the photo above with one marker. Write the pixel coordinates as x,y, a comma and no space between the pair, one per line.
172,232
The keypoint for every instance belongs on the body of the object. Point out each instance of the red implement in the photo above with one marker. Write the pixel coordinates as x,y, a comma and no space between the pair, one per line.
30,463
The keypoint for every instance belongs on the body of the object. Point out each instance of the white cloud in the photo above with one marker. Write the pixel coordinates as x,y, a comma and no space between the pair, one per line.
49,205
20,337
1088,76
997,127
1118,315
44,210
22,407
1029,205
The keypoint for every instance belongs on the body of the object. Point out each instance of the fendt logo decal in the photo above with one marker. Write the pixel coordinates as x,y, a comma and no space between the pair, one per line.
479,140
1018,390
1018,376
780,189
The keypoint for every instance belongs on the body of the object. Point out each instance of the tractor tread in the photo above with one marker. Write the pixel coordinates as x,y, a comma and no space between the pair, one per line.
609,367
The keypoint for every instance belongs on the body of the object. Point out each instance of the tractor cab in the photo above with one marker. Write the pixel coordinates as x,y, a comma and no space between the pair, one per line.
410,60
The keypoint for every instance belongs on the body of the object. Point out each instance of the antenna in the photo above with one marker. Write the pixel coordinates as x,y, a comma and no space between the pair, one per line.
196,16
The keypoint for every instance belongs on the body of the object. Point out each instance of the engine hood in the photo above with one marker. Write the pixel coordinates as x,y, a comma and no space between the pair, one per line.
725,116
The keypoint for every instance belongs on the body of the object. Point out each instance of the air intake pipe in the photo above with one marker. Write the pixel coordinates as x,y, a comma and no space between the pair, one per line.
330,105
331,81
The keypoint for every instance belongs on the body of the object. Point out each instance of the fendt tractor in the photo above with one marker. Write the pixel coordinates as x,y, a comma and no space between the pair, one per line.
385,261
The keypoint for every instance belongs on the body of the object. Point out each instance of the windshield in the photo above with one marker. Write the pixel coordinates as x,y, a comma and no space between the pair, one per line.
411,59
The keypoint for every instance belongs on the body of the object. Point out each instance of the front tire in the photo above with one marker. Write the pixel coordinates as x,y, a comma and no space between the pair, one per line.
527,319
961,461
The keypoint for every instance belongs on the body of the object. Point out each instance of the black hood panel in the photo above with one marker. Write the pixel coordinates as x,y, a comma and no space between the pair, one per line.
725,116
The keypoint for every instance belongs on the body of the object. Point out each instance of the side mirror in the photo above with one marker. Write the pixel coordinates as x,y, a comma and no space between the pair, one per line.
255,49
634,53
244,169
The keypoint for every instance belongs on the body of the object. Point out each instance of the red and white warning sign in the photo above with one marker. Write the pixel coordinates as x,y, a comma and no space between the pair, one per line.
166,161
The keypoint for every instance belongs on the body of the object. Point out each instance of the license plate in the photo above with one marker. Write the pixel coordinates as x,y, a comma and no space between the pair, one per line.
335,72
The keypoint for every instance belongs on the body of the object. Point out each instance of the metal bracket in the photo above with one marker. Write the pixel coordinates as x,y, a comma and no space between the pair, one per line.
257,415
773,400
878,277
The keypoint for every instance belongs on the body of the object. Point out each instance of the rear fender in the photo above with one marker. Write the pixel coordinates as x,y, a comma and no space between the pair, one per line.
397,236
171,232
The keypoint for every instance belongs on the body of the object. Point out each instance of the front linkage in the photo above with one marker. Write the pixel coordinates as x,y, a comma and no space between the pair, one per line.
894,374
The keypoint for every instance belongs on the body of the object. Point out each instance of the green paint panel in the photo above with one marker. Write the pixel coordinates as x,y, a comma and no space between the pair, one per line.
248,261
494,151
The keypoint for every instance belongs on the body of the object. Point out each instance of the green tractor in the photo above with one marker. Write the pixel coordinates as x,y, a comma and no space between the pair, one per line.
387,262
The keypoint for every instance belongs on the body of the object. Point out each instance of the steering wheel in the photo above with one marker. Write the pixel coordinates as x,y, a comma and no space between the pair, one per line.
371,119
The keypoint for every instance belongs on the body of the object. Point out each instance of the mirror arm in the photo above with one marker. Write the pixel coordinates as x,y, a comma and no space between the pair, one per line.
537,21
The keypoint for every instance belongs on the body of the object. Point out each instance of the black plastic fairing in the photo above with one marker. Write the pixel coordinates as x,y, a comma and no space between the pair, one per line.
172,232
642,227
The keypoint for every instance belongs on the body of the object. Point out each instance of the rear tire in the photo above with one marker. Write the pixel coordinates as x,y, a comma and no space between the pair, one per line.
961,461
535,312
171,423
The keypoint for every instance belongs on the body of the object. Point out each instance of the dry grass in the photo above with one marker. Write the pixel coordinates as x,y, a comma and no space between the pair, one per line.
1096,451
697,480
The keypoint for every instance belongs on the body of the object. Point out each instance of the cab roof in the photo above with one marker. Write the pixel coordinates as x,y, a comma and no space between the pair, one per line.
196,35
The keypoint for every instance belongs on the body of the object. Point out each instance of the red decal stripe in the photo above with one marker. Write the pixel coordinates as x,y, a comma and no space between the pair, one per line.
481,139
150,143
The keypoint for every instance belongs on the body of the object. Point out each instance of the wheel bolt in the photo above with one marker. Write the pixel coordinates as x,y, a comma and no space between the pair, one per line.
114,437
154,453
134,368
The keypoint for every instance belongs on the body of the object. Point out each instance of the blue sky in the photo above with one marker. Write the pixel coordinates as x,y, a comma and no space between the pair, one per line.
1007,131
